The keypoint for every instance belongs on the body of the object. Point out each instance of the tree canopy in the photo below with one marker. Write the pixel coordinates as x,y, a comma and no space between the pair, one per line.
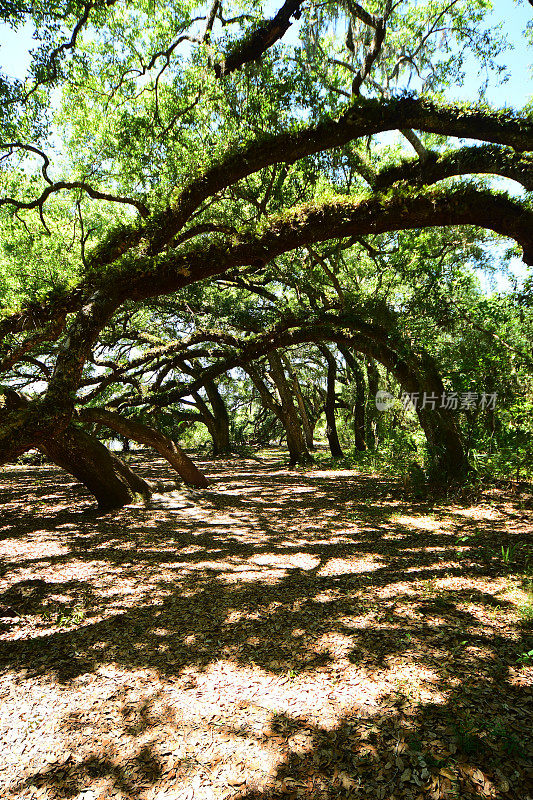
280,205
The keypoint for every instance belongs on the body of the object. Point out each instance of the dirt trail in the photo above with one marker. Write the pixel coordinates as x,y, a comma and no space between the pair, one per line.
283,634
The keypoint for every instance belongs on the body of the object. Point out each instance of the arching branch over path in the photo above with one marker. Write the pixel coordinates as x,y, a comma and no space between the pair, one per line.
414,370
509,129
362,119
342,216
132,429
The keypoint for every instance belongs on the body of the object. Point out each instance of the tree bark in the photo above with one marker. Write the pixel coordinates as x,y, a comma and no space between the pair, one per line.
298,452
308,429
216,423
221,428
111,481
358,410
284,410
373,384
445,443
108,478
331,423
143,434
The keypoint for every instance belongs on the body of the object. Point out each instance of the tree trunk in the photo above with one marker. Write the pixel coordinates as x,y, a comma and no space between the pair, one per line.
308,429
373,385
416,372
358,410
220,432
298,452
285,410
141,433
216,420
111,481
445,445
331,423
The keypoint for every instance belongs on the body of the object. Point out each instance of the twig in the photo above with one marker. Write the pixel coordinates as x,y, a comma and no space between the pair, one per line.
95,194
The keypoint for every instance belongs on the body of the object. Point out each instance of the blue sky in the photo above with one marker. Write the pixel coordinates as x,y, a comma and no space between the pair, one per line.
519,88
15,46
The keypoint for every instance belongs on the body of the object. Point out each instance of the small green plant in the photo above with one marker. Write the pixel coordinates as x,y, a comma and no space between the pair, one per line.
291,674
509,553
508,741
526,657
459,646
526,613
65,618
494,611
466,734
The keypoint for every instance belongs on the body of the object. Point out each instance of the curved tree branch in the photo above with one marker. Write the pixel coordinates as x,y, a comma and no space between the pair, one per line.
344,216
259,40
365,118
480,159
133,429
95,194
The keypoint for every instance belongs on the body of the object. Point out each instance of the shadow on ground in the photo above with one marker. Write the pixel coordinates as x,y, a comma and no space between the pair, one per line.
283,634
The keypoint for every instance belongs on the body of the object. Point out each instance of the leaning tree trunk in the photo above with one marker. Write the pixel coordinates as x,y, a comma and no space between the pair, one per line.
216,420
207,419
308,429
298,453
288,414
108,478
111,481
285,410
445,444
143,434
417,373
331,423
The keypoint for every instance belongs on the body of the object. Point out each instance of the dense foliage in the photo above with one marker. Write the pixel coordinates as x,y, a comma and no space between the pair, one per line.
237,224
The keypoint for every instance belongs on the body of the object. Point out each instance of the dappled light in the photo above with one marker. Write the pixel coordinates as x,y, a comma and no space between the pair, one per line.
279,638
266,400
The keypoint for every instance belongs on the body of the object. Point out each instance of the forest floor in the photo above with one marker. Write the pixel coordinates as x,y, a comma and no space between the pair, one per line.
283,634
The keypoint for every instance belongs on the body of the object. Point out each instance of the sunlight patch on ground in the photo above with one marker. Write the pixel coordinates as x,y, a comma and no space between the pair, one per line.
452,583
15,548
332,473
347,566
416,682
439,566
295,560
477,513
244,574
424,523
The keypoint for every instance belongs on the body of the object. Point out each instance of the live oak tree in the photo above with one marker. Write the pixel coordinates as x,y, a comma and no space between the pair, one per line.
156,146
